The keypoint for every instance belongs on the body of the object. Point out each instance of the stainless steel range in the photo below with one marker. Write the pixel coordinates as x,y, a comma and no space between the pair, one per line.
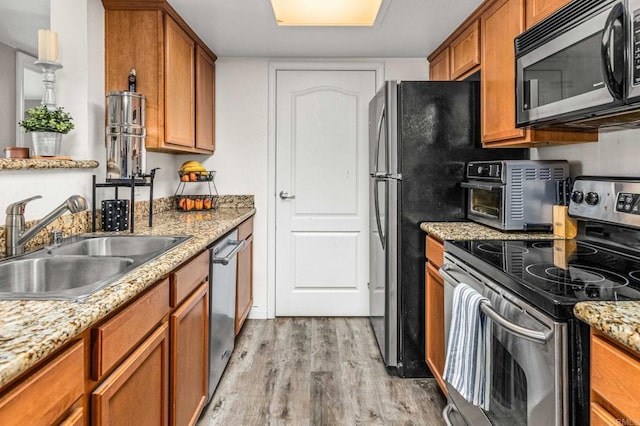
539,352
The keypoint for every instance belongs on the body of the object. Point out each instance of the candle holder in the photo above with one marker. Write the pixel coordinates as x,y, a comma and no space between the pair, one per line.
49,69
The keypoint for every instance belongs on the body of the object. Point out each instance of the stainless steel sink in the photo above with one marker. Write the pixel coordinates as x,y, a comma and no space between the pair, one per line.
79,267
117,245
59,277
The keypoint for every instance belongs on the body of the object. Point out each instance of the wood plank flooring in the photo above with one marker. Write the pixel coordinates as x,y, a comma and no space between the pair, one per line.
316,371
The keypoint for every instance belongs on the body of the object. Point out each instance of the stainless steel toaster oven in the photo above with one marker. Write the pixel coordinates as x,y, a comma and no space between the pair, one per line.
513,195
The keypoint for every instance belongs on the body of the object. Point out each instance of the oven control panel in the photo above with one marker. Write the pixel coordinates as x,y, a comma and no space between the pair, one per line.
613,200
628,203
484,169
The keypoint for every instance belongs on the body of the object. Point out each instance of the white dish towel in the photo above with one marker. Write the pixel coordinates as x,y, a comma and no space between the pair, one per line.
467,361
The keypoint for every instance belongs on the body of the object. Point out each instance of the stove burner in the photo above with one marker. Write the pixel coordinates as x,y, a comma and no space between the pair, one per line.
581,250
635,275
578,275
499,248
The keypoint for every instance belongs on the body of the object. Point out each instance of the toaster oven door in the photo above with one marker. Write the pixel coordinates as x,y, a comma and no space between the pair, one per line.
485,203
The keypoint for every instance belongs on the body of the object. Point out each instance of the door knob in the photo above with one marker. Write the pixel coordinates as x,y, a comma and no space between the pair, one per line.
285,196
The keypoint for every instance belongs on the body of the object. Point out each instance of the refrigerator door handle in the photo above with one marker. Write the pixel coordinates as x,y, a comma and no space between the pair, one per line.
376,199
383,114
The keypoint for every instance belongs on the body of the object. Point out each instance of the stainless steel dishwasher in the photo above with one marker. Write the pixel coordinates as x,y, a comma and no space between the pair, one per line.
222,305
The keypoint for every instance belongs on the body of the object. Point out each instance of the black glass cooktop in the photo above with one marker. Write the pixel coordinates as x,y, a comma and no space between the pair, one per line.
554,274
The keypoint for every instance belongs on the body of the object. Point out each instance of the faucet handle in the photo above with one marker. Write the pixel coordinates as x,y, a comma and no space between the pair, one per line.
18,206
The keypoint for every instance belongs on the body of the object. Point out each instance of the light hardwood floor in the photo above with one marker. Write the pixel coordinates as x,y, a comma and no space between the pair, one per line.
316,371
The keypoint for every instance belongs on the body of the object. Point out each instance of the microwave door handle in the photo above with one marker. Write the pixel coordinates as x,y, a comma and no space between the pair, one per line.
531,94
615,87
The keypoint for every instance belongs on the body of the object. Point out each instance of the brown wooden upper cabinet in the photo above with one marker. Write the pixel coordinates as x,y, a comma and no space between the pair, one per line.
175,71
537,10
439,66
465,52
484,42
501,23
205,101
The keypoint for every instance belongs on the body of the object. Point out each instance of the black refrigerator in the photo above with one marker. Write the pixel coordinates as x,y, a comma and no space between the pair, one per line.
421,135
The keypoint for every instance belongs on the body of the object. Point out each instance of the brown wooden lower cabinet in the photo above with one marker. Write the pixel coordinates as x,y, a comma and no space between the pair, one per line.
136,393
615,383
244,287
45,396
189,357
244,278
434,311
76,418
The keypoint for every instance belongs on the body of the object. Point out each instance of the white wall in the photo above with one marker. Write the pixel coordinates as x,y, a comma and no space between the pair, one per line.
7,96
242,101
80,89
616,154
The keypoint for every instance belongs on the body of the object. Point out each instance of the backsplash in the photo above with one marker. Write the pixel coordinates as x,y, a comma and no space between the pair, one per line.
80,223
614,155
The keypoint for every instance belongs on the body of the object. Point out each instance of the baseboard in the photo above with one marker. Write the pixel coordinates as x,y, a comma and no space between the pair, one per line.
258,313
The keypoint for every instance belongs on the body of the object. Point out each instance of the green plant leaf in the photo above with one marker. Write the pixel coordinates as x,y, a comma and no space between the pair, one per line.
40,119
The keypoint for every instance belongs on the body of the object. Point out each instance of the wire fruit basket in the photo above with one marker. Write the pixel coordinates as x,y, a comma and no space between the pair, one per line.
196,202
197,176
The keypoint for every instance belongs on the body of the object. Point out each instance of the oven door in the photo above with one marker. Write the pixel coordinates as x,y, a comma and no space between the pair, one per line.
527,357
580,71
485,203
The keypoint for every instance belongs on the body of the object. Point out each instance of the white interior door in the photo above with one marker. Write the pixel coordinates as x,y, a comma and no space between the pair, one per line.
322,192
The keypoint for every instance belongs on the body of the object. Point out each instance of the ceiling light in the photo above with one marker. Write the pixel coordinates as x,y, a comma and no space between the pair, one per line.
326,12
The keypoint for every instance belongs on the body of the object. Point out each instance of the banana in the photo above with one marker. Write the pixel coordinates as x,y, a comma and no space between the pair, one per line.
192,166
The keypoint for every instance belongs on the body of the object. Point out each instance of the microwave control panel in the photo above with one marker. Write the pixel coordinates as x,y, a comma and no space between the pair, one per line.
636,47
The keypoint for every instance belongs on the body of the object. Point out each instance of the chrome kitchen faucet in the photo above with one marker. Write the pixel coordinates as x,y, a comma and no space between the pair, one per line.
15,235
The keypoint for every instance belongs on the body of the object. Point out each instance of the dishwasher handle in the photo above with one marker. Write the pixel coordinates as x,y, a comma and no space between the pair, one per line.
239,245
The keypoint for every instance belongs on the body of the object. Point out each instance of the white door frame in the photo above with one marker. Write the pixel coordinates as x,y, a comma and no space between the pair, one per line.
274,67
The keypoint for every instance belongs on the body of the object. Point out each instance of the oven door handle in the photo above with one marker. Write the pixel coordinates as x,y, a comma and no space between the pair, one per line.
518,330
485,186
446,414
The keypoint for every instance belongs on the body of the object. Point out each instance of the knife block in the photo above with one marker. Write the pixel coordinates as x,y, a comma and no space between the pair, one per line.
563,225
562,252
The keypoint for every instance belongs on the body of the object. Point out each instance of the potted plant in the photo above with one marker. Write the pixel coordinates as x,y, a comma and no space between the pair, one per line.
47,127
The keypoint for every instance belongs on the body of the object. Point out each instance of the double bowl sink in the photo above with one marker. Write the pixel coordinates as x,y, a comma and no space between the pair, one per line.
76,269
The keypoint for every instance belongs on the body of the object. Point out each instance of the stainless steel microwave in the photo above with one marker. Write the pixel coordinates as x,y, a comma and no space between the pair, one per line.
580,67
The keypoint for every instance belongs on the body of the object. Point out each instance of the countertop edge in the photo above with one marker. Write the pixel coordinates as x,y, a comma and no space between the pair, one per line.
476,231
41,164
619,320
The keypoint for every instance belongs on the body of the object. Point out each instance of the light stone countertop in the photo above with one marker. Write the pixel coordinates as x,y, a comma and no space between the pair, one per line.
475,231
31,330
618,320
32,163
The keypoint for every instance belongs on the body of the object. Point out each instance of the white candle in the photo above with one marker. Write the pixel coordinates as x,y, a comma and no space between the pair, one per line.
47,45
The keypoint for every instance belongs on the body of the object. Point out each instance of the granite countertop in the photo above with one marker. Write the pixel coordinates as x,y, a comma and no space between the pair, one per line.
618,320
475,231
31,330
31,163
